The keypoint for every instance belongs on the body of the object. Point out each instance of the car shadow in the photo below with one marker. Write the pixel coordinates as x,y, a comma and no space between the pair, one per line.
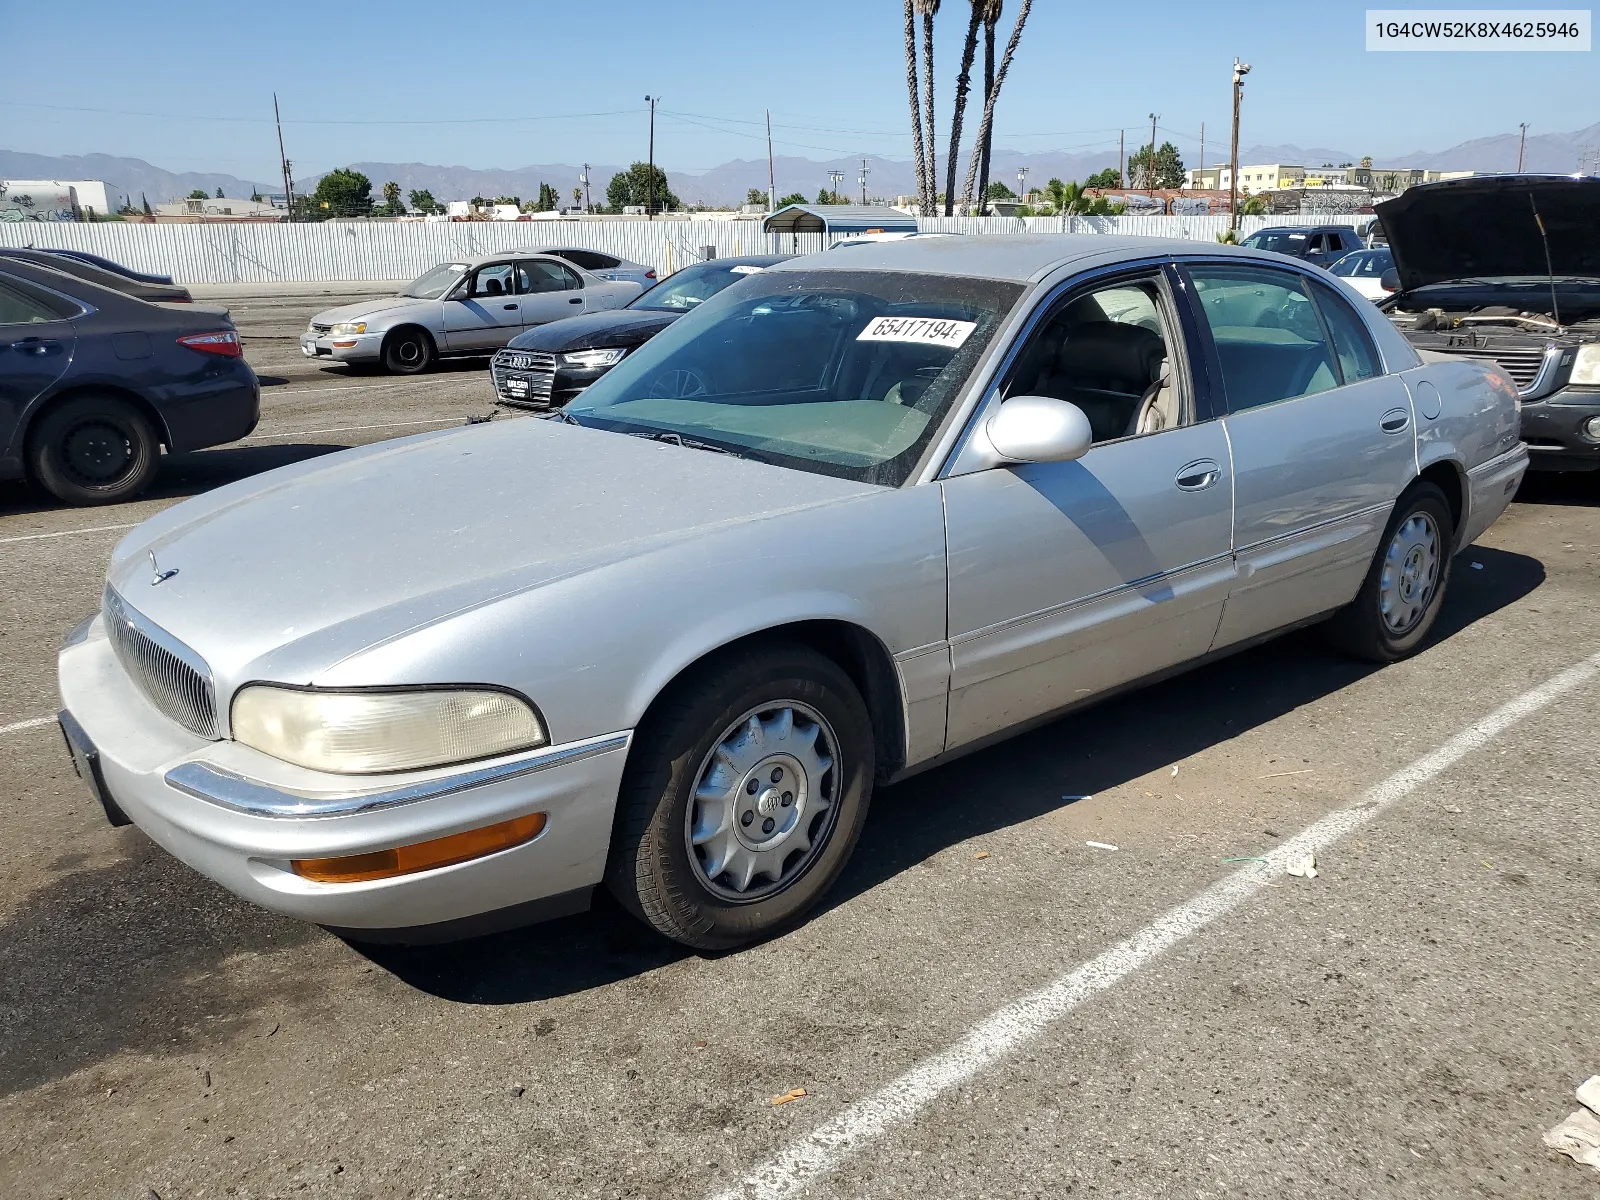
180,475
1577,488
1087,752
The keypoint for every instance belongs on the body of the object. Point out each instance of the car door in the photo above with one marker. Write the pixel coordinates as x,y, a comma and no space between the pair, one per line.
487,312
1323,440
36,346
1066,579
550,290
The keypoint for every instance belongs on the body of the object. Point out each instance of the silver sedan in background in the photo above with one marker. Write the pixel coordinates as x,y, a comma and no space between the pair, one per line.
853,515
461,309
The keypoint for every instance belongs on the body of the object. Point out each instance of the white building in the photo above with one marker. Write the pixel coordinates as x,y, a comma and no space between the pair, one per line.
76,197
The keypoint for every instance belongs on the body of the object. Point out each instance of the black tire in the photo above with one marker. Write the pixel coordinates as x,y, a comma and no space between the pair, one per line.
1361,628
93,449
408,351
650,869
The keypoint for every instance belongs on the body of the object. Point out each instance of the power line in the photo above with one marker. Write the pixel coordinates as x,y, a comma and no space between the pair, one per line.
118,112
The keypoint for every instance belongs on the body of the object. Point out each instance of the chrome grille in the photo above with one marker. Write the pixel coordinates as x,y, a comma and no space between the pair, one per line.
523,377
1522,363
321,330
174,678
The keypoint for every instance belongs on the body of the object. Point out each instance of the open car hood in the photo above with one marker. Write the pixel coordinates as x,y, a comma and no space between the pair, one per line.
1490,228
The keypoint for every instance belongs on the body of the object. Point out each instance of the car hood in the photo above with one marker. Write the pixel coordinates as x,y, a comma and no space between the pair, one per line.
1489,228
284,575
619,327
364,308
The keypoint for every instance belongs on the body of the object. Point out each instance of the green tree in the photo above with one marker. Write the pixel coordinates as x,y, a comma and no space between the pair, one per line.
549,199
643,185
219,194
393,206
757,197
422,200
1168,170
791,198
577,197
999,191
342,193
1103,179
144,201
199,194
825,197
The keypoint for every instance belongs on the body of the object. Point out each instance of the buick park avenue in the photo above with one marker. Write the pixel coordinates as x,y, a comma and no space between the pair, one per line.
853,515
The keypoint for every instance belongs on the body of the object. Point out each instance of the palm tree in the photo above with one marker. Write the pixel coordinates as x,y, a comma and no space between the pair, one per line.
919,147
963,86
993,81
930,173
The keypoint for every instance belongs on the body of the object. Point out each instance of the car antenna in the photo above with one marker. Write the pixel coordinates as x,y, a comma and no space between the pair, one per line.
1549,268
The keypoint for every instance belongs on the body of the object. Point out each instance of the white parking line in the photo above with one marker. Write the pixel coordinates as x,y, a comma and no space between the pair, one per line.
34,537
256,437
268,393
827,1147
31,723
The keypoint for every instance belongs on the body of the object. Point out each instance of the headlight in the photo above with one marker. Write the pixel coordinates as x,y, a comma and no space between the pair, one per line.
362,733
346,328
1586,366
593,358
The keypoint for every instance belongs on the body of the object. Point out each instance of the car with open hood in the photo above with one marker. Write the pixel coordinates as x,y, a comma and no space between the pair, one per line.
852,516
547,366
463,309
1506,269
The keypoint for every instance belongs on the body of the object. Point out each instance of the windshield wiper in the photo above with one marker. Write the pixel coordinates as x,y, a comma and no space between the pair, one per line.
561,414
677,439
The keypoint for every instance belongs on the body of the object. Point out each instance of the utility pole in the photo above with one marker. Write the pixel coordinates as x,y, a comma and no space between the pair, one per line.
865,171
1240,70
1522,142
772,182
1121,148
650,204
1022,175
288,186
1202,145
836,178
584,179
1150,166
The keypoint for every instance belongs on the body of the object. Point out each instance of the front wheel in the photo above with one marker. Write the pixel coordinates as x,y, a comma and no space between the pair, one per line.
744,795
1404,588
407,351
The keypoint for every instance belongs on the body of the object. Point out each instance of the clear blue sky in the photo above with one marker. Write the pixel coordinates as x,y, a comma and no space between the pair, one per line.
409,82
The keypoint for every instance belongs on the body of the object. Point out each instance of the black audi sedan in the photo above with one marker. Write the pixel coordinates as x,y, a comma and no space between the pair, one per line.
547,366
94,383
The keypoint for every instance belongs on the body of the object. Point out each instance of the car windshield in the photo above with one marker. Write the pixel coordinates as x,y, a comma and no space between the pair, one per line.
846,373
436,282
1277,240
1363,264
692,286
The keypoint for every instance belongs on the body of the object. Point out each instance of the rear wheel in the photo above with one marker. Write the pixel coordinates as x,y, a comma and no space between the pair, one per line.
408,351
94,450
1404,588
743,798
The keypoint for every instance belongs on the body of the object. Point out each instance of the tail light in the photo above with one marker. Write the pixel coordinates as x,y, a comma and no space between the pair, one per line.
224,342
650,274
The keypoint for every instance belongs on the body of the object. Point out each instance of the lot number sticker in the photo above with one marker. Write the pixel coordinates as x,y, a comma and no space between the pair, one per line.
926,331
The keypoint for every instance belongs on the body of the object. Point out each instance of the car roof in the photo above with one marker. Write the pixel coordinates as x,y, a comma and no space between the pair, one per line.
1022,258
477,260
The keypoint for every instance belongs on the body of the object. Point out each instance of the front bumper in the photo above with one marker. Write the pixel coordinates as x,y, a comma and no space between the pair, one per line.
239,817
362,347
1553,430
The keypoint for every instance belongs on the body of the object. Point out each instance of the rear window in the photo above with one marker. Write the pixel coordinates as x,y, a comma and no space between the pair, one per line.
589,260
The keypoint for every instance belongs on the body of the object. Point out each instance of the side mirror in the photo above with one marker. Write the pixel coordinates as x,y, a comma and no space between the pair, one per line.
1389,281
1039,429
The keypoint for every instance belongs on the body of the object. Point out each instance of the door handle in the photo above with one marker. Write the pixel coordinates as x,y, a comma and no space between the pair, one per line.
576,300
1394,421
1198,475
36,346
509,307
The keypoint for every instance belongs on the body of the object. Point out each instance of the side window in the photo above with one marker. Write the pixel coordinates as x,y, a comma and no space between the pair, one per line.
19,309
589,260
493,280
1268,339
1358,357
1107,351
544,276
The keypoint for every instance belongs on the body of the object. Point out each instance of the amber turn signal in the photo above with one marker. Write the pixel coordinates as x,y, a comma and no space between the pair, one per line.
422,856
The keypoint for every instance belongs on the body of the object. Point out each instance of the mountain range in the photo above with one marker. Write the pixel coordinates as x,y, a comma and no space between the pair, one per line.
1560,153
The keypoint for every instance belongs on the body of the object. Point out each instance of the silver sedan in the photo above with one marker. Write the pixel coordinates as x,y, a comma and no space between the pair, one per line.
855,515
461,309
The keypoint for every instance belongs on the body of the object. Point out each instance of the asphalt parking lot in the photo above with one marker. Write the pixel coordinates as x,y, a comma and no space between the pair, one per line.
987,1006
